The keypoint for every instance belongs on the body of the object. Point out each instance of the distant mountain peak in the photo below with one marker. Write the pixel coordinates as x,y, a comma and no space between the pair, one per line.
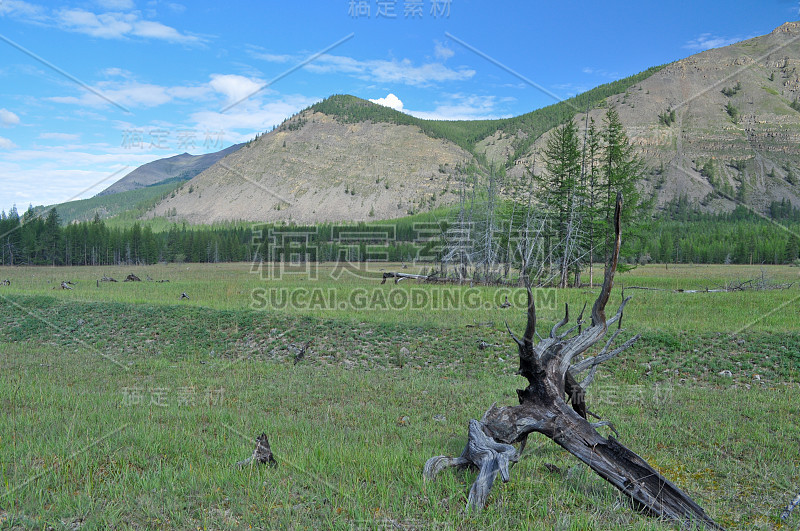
170,168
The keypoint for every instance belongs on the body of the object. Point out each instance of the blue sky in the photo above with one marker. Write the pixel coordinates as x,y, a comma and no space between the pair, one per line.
91,89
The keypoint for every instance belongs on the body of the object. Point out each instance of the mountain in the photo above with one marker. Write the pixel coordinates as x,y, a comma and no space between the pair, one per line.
719,128
139,190
180,167
317,168
347,159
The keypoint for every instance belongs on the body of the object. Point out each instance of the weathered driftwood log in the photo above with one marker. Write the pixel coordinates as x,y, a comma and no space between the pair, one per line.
552,373
483,452
435,278
679,290
400,276
300,351
132,278
762,283
789,508
261,454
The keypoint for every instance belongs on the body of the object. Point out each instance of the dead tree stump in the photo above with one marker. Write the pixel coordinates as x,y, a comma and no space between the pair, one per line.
261,454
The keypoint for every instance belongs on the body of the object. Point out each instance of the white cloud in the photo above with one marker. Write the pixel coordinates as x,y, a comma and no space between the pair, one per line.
463,107
117,72
706,41
242,121
21,9
107,25
600,72
157,30
56,174
570,89
235,87
390,101
442,52
383,71
118,22
176,7
128,95
64,137
8,118
131,93
118,25
6,143
257,52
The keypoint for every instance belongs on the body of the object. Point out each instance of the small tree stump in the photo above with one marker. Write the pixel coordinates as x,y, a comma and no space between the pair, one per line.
261,454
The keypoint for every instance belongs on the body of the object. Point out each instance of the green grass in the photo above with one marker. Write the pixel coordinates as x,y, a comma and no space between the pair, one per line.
239,287
123,407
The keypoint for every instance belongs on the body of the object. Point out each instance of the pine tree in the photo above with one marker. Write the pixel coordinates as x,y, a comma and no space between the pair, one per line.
792,248
51,238
621,170
593,191
559,188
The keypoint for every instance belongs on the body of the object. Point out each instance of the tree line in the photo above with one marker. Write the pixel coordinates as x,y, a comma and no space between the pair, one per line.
32,239
684,234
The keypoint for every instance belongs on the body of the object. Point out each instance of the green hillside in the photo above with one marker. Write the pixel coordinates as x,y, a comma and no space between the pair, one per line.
107,206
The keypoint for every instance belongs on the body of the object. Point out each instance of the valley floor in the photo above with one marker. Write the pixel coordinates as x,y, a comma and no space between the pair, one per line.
126,407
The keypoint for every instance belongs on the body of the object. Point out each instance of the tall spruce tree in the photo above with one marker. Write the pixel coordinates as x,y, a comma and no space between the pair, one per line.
621,170
594,193
51,239
559,189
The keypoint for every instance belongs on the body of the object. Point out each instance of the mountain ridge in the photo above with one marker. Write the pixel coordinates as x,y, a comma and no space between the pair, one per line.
160,170
730,137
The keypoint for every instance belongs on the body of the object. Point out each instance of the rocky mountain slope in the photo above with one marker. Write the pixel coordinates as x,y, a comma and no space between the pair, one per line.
316,168
735,137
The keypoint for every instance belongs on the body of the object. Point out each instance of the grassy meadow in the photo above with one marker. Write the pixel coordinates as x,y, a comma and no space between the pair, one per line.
124,407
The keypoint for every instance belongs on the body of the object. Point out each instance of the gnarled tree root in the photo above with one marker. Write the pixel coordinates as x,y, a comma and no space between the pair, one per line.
483,453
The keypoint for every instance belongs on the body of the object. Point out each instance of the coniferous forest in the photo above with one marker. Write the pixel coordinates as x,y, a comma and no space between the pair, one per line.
678,234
